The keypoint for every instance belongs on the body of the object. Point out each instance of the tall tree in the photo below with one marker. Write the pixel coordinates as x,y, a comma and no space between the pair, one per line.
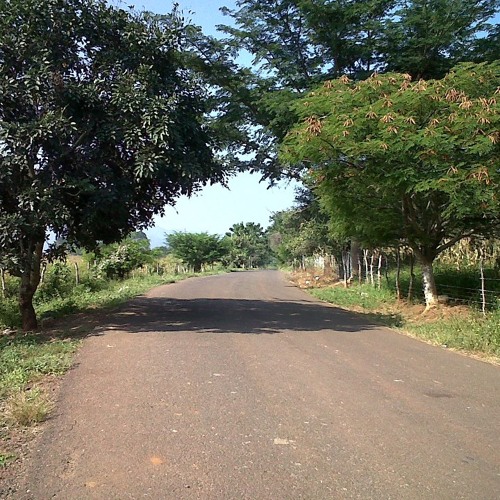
400,160
100,128
297,44
196,249
348,34
248,245
277,35
426,38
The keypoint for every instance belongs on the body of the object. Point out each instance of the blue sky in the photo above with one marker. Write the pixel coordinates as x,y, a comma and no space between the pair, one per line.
215,209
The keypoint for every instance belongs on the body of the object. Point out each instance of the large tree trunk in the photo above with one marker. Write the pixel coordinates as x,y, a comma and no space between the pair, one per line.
430,289
30,278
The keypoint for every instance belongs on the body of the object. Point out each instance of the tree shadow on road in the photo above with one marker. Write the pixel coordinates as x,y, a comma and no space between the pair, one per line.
168,315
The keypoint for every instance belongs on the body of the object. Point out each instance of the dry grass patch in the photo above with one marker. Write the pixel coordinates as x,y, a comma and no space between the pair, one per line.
28,407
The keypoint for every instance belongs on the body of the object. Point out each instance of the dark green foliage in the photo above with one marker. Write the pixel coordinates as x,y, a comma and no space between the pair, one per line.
487,48
277,36
100,126
426,38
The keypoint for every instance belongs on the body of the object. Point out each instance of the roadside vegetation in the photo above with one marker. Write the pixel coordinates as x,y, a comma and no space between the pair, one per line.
456,327
457,324
386,281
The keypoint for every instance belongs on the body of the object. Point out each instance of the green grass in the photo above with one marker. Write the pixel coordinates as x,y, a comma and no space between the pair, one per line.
474,333
471,332
365,296
25,358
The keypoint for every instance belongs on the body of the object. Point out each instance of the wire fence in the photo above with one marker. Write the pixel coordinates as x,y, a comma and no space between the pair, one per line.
475,286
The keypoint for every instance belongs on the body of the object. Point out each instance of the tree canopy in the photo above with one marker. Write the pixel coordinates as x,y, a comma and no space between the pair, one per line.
248,246
196,249
100,127
394,159
298,44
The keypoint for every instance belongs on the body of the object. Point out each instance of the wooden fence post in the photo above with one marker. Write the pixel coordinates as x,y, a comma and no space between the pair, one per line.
77,274
43,271
2,275
372,265
367,273
398,273
483,289
379,272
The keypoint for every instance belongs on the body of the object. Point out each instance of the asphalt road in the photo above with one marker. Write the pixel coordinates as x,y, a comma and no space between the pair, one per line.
241,386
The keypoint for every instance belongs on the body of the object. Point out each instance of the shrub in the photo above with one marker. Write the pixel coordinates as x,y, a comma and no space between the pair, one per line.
57,283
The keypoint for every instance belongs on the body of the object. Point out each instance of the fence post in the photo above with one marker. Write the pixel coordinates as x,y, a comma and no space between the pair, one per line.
77,273
2,275
483,290
367,272
398,273
379,271
43,271
372,265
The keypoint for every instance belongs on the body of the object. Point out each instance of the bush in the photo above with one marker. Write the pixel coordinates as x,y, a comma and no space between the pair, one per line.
10,316
58,282
123,258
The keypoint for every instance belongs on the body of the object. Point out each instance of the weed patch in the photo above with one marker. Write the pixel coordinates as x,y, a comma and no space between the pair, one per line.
6,459
28,407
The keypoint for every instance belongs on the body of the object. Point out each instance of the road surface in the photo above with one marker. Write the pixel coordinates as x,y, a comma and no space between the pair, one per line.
241,386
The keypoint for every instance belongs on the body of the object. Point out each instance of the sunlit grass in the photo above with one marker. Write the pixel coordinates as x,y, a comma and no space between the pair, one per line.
365,296
465,329
473,333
